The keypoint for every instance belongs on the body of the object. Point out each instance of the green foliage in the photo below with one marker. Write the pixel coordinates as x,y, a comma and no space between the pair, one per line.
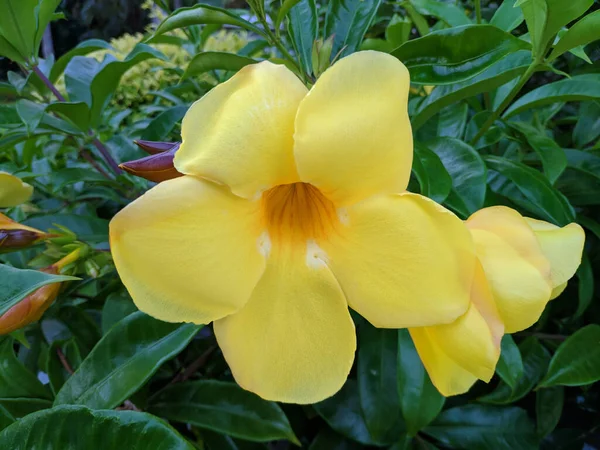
505,110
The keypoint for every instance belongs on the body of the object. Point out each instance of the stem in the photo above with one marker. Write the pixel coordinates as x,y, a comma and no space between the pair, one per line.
89,158
478,10
509,98
64,362
277,43
48,84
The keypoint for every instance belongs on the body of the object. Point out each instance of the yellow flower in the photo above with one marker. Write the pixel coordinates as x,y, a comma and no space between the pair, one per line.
13,191
292,208
523,263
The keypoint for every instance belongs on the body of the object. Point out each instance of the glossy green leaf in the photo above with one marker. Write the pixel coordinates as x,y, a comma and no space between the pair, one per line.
582,33
456,54
467,171
77,427
536,15
55,369
225,408
507,17
303,30
420,401
548,408
202,14
348,21
18,25
587,127
83,48
161,126
283,11
535,362
452,121
483,427
116,307
22,406
16,284
87,228
510,365
207,61
577,360
6,418
560,13
398,31
15,379
377,373
433,177
417,18
493,77
535,188
123,360
451,14
582,87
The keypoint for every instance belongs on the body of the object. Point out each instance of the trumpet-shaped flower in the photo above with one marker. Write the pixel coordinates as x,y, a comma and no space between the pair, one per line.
293,207
523,263
13,191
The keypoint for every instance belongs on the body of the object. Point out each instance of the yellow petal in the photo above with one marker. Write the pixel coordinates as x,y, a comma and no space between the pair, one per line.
294,341
402,261
558,290
13,191
514,264
188,250
353,137
472,342
241,132
446,375
563,247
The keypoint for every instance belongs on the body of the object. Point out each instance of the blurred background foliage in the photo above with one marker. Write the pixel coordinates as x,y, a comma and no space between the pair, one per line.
496,121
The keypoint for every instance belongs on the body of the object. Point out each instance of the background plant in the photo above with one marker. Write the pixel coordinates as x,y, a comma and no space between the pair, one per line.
505,109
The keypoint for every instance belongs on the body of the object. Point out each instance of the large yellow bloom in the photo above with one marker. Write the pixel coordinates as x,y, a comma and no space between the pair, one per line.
523,263
13,191
292,208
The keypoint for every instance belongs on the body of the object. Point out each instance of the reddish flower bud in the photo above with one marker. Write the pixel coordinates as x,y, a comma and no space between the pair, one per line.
14,236
157,167
153,147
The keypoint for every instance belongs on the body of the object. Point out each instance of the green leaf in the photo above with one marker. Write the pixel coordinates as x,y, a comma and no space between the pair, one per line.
467,171
398,31
87,228
560,13
76,112
303,30
536,14
582,33
535,188
8,51
31,113
343,413
15,379
18,25
44,13
204,14
77,427
433,177
510,365
161,126
587,127
482,427
79,73
495,76
57,374
123,360
377,373
452,121
585,275
448,13
548,407
535,362
225,408
420,22
456,54
83,48
330,440
348,21
20,407
207,61
577,360
16,284
507,17
6,418
68,176
582,87
283,11
116,307
551,154
420,400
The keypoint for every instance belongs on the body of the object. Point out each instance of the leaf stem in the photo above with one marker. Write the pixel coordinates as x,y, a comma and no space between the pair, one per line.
478,10
48,83
277,43
509,98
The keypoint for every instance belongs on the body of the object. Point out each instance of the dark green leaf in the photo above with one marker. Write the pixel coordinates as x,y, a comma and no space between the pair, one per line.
303,30
76,112
16,284
377,373
116,307
420,400
585,276
224,408
161,126
86,228
330,440
124,359
433,177
560,13
285,8
449,13
456,54
536,14
207,61
510,364
587,127
548,407
577,360
452,121
348,21
582,33
482,427
15,379
507,17
20,407
66,177
83,48
6,418
77,427
8,51
18,25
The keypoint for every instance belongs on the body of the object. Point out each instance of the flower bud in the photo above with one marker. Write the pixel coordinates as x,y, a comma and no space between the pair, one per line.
158,166
15,236
153,147
321,55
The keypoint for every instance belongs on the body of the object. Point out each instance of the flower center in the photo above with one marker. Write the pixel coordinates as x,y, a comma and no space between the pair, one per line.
298,212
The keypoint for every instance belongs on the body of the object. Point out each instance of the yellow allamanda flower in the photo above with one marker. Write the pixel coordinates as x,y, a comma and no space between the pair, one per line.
292,208
13,191
522,264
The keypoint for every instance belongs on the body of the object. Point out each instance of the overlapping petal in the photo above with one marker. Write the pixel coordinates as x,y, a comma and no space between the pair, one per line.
294,341
241,132
189,250
516,268
456,354
402,261
353,137
13,191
